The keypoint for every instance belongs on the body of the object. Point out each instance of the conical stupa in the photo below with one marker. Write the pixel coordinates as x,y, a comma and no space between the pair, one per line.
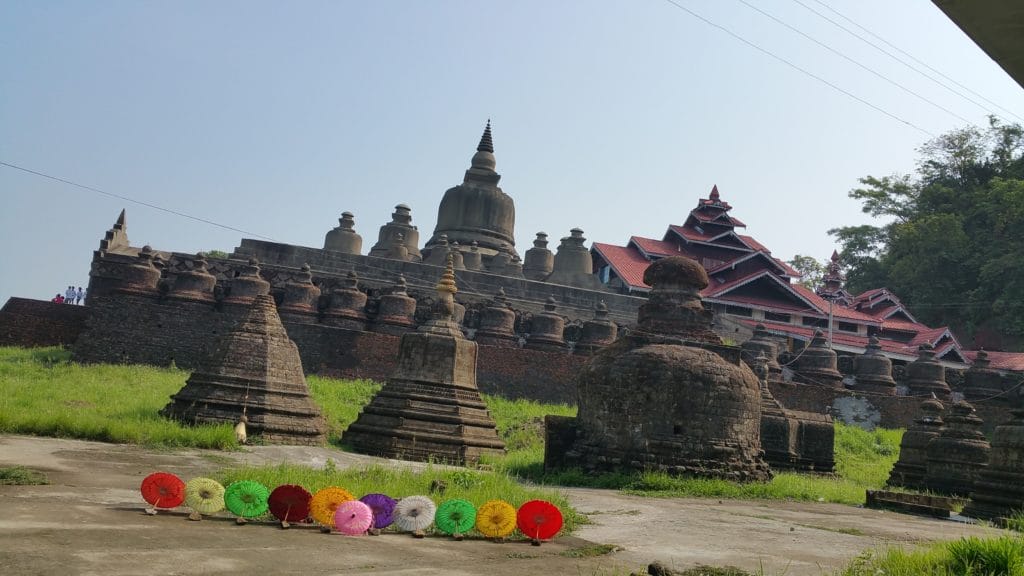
254,372
430,407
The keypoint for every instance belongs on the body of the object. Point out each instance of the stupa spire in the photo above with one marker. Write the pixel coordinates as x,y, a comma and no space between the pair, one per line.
486,143
714,193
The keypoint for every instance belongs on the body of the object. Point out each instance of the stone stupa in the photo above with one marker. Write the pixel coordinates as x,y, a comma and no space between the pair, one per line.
255,373
668,396
430,408
999,488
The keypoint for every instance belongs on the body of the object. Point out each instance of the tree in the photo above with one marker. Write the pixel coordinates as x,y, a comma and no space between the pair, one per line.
810,269
953,240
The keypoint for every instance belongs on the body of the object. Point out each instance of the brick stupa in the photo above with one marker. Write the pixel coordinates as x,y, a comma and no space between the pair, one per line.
430,408
255,371
668,396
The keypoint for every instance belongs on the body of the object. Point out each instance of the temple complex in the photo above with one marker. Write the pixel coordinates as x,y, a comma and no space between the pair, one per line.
430,408
668,396
254,375
909,470
748,286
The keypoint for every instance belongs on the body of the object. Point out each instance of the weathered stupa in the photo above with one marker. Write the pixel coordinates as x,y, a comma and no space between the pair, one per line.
873,371
254,372
668,396
909,470
818,364
430,407
959,454
999,489
477,210
926,375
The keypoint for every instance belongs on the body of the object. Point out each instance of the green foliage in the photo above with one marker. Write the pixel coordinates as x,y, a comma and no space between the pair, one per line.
998,556
475,486
42,392
955,230
810,269
340,401
217,254
21,476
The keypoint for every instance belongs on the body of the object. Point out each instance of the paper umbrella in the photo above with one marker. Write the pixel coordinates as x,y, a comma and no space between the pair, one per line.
383,507
204,495
289,503
162,490
246,498
414,513
353,518
325,502
496,519
539,520
455,517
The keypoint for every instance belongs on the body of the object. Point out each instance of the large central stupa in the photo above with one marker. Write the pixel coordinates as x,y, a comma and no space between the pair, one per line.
477,210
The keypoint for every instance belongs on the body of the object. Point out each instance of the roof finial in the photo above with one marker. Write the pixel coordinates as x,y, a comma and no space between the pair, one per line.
486,144
447,282
835,255
714,192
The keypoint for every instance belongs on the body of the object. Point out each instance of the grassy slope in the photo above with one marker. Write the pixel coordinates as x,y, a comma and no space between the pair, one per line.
42,393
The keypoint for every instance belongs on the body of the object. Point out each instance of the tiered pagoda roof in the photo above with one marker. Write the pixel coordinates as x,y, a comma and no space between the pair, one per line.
744,274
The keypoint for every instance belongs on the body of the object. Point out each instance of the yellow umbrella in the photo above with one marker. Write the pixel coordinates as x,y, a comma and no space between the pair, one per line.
496,519
325,502
204,495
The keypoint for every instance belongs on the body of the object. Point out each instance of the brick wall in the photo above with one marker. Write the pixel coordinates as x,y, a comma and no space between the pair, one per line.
892,411
30,323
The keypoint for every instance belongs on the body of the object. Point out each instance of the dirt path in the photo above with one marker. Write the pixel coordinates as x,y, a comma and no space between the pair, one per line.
89,521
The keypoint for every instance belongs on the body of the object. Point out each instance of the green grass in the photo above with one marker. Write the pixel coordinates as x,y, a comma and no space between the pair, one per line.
43,393
998,556
863,461
473,485
21,476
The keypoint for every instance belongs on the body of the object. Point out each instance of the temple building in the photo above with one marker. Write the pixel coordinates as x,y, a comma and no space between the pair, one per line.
750,287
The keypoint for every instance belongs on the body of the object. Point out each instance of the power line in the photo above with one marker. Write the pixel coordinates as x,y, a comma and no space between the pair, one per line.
849,59
134,201
905,53
799,68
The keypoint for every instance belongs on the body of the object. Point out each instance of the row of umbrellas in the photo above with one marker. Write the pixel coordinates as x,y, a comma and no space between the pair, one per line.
335,507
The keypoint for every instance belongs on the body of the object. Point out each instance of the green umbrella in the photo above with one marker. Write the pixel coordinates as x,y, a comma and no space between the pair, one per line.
247,498
204,495
455,516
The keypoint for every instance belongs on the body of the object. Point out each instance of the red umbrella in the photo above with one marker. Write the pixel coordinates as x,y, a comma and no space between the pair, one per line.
539,520
289,503
162,490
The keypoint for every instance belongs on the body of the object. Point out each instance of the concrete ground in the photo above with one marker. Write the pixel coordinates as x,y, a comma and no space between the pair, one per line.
89,520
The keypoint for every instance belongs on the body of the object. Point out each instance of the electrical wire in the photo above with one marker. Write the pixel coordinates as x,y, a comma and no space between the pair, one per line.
905,53
849,59
800,69
134,201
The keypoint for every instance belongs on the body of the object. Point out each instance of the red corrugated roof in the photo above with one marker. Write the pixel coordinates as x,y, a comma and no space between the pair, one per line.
691,234
837,311
754,244
903,326
838,337
628,263
1012,361
656,247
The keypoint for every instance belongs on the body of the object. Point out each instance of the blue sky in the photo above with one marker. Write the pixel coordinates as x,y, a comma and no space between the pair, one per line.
611,116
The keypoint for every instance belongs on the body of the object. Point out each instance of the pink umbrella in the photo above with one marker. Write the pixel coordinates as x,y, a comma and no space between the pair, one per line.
353,518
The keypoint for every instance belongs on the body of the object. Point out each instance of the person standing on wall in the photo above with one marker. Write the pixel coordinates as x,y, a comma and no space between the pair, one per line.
79,295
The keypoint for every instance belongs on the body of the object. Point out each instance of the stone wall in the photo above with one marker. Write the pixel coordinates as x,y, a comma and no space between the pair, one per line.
151,330
868,410
30,323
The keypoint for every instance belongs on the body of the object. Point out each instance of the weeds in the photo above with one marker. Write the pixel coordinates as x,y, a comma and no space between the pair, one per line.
21,476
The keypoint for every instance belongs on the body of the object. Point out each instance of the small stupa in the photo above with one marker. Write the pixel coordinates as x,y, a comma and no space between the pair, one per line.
253,376
430,408
910,469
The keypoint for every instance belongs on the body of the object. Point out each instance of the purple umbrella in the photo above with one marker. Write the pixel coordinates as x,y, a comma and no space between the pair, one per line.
383,508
